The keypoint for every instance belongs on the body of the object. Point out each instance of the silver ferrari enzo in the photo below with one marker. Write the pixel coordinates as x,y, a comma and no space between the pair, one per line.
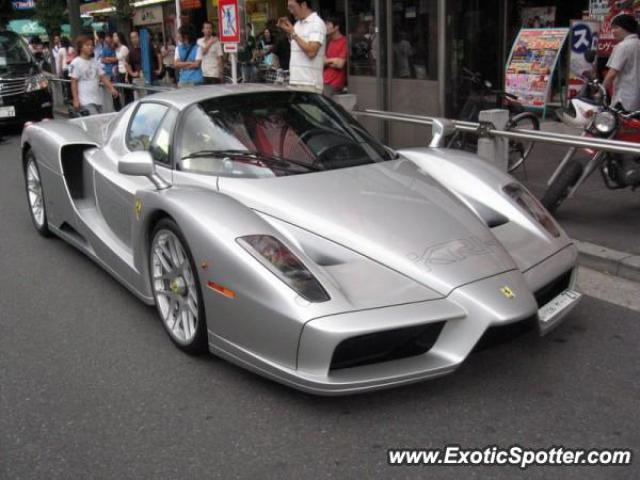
268,227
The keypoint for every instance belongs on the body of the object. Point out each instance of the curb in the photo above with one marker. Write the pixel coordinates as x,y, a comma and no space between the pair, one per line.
606,260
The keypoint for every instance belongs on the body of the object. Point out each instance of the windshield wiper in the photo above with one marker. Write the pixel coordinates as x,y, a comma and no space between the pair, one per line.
273,160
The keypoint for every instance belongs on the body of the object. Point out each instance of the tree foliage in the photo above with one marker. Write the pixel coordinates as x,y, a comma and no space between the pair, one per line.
51,14
5,12
123,13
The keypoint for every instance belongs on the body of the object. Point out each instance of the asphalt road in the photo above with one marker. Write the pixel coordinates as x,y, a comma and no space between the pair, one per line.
91,387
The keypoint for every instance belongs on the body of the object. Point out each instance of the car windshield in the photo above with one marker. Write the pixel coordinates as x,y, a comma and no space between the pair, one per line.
270,134
13,51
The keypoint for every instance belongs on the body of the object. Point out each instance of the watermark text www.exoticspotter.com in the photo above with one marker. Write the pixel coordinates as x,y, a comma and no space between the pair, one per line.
512,456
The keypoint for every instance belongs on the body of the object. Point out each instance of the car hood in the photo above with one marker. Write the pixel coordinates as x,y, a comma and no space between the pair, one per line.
391,212
20,70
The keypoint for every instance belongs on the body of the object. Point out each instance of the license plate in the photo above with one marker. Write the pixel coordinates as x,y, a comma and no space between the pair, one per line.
6,112
551,312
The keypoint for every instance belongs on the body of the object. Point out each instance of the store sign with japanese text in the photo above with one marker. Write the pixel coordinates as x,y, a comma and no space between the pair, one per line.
190,4
23,4
147,16
533,60
584,38
604,11
229,23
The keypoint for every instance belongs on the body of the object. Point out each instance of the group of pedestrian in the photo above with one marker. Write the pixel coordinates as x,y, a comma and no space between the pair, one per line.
314,51
318,50
198,60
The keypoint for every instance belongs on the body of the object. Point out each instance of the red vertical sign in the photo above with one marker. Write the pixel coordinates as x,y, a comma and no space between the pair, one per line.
228,22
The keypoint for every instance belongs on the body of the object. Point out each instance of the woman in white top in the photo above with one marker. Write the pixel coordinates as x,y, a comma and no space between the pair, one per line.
122,54
66,54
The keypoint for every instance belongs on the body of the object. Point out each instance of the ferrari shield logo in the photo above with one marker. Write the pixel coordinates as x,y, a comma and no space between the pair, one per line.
507,292
138,208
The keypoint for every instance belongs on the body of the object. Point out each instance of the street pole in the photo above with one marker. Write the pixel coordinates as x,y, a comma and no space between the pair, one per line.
234,68
178,15
74,17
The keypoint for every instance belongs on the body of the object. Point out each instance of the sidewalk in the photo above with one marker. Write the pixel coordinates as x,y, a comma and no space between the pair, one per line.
605,223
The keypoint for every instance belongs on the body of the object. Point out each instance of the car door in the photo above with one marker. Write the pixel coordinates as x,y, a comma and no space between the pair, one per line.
149,130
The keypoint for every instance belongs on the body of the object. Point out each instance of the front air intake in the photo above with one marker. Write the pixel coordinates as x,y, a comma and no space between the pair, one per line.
554,288
385,346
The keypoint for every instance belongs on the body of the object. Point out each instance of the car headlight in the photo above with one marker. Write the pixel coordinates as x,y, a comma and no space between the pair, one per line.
605,122
533,207
274,255
37,82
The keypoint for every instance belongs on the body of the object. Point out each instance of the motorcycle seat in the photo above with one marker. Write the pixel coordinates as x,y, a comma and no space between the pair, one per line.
590,101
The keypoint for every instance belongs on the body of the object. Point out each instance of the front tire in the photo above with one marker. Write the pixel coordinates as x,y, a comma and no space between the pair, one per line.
560,188
176,288
35,195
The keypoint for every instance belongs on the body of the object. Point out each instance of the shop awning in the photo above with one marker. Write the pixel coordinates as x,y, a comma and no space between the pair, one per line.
102,7
97,8
26,28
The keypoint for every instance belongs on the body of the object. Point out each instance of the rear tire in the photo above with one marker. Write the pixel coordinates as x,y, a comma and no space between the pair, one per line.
35,195
519,150
560,188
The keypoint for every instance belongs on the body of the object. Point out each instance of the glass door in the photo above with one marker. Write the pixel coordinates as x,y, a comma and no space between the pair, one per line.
367,58
412,67
476,41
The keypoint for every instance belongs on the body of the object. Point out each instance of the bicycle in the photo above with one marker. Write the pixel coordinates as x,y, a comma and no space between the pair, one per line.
484,97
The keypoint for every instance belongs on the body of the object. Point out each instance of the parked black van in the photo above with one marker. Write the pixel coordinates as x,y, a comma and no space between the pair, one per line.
24,90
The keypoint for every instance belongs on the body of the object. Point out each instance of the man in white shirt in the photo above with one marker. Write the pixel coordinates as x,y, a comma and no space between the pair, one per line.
86,73
308,40
624,63
211,49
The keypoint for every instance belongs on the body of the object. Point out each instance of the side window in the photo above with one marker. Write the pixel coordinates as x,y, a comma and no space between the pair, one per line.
142,128
160,147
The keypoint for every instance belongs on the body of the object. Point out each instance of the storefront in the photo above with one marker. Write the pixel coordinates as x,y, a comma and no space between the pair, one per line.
407,55
151,17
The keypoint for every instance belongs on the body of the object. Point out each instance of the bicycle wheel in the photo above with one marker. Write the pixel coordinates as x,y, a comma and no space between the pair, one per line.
519,150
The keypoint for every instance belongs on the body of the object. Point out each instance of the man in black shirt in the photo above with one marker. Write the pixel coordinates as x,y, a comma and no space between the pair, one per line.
281,45
134,64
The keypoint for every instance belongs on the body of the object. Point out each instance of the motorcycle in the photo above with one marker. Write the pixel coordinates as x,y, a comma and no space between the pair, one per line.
482,96
604,121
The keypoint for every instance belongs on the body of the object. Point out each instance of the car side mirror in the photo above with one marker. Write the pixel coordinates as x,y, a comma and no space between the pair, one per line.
140,164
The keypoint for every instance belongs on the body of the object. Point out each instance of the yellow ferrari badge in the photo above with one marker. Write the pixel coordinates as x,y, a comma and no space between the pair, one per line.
507,292
138,208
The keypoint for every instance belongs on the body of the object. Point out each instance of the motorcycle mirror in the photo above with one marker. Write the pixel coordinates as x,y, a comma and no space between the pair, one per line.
590,56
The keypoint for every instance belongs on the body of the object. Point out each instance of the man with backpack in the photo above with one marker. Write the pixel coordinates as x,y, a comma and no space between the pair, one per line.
188,59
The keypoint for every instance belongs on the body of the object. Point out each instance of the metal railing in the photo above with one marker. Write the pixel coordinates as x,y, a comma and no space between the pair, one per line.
439,125
482,129
61,102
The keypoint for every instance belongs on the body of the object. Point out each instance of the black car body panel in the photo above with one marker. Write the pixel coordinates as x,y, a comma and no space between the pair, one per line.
14,77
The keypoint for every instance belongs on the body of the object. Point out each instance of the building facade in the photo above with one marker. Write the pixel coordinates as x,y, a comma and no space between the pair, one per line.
407,55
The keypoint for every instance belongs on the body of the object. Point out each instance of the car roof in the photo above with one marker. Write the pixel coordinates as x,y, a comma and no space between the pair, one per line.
183,97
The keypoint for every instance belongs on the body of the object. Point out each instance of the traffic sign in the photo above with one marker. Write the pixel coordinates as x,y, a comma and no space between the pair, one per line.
582,38
230,47
228,22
